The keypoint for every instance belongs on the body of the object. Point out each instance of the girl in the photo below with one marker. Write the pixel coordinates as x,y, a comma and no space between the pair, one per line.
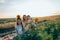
19,26
29,19
31,22
25,22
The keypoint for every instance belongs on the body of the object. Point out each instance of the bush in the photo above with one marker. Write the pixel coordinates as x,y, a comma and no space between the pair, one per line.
46,31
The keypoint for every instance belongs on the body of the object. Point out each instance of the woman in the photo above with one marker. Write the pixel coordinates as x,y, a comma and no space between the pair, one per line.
31,22
24,18
25,22
19,26
29,19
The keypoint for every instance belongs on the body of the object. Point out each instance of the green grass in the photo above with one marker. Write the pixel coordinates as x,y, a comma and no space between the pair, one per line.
44,30
6,26
48,30
6,20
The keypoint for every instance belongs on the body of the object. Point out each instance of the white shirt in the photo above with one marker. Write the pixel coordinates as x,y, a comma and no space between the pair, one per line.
19,29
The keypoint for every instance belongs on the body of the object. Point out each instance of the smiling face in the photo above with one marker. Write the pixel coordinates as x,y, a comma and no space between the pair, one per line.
28,17
19,22
24,17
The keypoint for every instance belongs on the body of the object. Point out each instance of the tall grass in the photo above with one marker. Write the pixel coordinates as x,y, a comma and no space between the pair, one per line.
49,30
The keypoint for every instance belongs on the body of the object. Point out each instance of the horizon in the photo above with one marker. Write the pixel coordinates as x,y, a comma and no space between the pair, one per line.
33,17
34,8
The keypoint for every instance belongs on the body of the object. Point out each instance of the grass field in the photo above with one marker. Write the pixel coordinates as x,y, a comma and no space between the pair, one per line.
47,28
6,25
44,30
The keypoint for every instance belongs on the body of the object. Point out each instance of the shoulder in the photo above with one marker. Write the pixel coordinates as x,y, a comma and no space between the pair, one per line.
23,24
16,26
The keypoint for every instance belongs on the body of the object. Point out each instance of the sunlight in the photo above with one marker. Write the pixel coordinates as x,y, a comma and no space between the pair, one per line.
36,8
33,7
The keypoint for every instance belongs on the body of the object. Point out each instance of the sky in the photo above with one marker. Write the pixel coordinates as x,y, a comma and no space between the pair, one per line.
11,8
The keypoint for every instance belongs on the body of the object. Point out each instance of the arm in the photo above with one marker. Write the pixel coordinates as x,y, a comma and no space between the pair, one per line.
23,28
16,31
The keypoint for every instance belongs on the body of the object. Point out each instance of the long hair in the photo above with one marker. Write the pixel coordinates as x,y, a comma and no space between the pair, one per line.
18,18
23,17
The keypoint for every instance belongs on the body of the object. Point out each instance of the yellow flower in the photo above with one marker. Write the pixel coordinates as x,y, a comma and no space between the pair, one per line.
36,19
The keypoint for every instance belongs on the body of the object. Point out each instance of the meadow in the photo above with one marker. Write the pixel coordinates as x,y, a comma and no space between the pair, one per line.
44,30
6,26
47,28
